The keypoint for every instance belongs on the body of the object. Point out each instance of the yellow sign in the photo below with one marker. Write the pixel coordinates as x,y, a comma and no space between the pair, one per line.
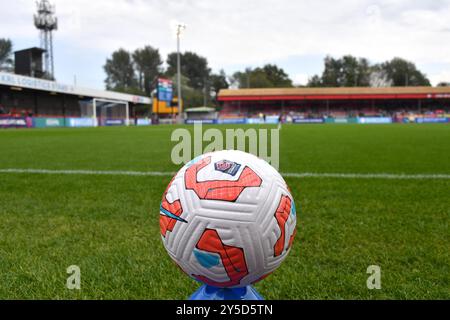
162,107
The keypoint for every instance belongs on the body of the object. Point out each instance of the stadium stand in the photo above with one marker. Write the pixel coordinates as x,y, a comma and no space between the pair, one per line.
40,99
309,103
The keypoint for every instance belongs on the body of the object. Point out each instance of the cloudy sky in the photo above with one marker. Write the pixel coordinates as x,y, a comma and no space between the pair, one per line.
234,34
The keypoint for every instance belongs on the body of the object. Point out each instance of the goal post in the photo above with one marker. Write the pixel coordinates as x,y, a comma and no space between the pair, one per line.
110,112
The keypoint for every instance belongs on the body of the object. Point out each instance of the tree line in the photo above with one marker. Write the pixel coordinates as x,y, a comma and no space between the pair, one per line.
136,72
347,71
350,71
6,52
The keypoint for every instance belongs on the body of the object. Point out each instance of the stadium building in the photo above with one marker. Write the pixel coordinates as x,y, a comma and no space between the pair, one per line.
316,105
34,102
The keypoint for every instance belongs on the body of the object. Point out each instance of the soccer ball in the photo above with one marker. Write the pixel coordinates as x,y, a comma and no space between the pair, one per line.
227,219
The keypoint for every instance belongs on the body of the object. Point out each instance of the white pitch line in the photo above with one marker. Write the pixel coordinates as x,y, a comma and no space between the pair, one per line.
368,176
391,176
90,172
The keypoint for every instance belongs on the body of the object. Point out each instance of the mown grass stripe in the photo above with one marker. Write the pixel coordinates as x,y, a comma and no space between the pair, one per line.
287,174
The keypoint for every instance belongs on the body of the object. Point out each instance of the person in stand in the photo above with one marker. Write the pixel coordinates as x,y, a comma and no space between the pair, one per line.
2,110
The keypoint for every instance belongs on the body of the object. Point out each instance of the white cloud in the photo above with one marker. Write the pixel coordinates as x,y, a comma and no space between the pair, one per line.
233,32
300,78
443,76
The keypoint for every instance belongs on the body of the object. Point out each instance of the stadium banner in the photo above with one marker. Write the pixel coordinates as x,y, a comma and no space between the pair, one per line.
379,120
432,120
254,121
341,120
337,120
16,122
114,122
81,122
406,120
272,120
307,121
232,121
143,122
202,121
48,122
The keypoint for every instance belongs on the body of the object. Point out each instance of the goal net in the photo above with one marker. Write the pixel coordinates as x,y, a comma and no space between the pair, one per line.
107,112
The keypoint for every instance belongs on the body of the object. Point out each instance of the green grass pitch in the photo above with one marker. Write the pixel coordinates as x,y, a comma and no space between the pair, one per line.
108,225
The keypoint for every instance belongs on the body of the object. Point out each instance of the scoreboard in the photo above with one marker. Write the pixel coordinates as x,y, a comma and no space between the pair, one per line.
165,90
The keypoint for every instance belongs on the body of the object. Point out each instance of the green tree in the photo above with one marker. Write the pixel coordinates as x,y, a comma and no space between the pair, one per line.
6,60
218,82
443,84
241,79
148,64
259,79
120,75
347,71
277,76
350,71
269,76
193,66
332,72
364,71
355,72
403,73
191,97
315,81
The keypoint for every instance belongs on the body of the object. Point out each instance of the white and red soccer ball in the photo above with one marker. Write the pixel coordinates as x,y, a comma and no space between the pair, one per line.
228,219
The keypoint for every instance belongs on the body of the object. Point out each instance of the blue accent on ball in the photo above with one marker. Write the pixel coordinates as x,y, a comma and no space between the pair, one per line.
293,210
207,260
170,214
194,161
